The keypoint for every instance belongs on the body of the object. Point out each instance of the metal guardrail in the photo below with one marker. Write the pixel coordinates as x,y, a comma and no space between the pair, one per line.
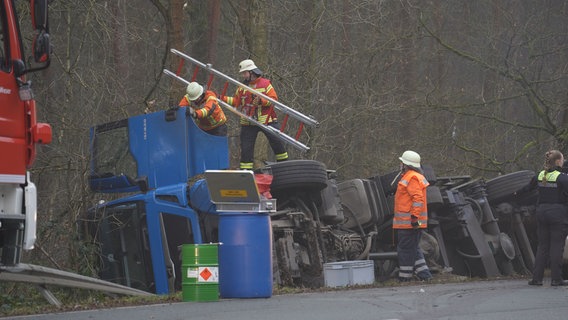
43,276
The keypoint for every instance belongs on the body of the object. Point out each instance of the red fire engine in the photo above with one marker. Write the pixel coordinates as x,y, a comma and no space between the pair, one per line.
19,130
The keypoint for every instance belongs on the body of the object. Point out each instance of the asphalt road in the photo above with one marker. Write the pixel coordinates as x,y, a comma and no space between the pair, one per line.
488,300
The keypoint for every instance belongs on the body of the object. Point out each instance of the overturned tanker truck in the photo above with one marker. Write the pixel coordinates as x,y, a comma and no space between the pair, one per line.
476,227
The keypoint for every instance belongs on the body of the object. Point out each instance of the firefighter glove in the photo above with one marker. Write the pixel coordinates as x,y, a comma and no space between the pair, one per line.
256,100
414,222
190,111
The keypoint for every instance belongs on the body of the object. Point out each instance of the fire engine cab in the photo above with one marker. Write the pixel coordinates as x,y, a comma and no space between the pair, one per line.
19,130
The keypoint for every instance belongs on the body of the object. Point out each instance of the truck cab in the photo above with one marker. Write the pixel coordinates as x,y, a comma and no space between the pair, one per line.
155,158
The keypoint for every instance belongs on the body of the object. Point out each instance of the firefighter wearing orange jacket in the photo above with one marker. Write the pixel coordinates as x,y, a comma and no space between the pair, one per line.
410,217
205,109
259,109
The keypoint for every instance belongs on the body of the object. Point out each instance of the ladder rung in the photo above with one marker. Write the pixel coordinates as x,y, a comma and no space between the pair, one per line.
225,86
180,66
299,131
194,76
284,122
210,81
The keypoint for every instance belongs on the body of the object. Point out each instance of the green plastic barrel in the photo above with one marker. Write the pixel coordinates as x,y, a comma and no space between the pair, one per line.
200,272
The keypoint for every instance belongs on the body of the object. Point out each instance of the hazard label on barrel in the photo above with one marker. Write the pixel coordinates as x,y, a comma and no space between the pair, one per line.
208,274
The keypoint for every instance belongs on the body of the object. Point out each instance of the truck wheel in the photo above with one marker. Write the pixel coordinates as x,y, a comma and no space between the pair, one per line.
505,255
501,189
305,175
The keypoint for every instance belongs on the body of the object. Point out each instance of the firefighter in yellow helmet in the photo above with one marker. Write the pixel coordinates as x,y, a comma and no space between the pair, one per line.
258,108
410,218
204,108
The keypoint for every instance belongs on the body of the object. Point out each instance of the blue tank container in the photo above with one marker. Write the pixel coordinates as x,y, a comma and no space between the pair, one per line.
245,255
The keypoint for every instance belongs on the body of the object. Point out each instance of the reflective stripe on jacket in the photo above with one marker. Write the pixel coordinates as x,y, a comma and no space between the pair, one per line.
243,99
552,190
208,114
409,200
550,179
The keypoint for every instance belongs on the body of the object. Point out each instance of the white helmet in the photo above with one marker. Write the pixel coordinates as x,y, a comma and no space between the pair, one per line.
410,158
248,65
194,90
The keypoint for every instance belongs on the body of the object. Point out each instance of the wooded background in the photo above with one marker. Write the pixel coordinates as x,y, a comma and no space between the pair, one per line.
476,87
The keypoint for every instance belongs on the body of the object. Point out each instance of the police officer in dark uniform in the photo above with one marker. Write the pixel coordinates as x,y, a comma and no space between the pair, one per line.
552,218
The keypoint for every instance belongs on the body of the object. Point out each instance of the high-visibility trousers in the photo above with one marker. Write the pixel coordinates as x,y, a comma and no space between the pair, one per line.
248,140
410,257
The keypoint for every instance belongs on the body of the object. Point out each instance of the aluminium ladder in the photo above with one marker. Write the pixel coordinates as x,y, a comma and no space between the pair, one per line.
288,112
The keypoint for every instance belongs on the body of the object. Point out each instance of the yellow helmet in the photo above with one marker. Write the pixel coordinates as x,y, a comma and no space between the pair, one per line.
194,90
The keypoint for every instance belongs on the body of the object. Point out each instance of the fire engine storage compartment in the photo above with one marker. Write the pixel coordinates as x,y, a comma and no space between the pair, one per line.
245,234
348,273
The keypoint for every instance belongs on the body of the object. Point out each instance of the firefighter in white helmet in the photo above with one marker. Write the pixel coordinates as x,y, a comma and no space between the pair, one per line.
410,218
258,108
203,106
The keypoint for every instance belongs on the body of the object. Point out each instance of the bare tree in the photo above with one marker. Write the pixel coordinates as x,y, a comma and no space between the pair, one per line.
173,17
476,87
521,98
88,83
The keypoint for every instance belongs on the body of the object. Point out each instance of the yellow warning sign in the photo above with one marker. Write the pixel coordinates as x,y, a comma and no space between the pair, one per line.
233,193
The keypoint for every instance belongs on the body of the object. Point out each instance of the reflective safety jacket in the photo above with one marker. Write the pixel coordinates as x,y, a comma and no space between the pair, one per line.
553,190
243,100
410,200
208,113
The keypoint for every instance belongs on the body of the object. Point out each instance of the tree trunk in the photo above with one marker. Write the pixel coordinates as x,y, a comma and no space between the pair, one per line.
214,21
251,15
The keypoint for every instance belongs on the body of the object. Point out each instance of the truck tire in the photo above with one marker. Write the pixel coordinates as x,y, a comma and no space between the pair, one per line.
501,189
305,175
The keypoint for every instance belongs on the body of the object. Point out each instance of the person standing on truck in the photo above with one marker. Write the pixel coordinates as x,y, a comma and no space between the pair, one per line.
204,107
410,218
257,108
551,218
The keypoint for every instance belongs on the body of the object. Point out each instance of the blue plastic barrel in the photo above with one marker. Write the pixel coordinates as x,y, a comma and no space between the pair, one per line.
245,255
